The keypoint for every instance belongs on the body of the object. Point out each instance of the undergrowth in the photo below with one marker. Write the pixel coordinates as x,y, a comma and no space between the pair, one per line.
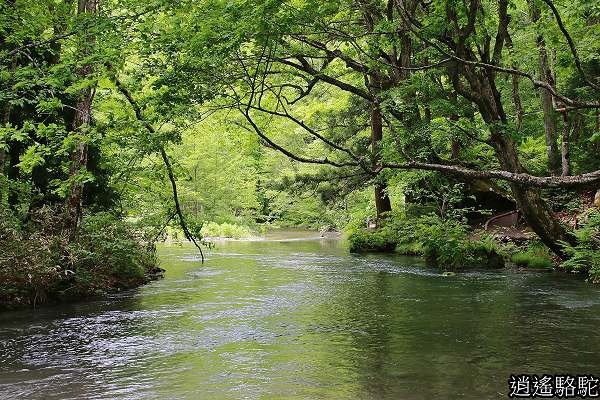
40,261
585,256
446,243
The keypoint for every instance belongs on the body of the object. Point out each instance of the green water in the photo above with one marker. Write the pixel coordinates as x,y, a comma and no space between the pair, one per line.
303,319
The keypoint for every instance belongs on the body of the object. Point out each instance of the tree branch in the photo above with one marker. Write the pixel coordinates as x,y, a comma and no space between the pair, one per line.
260,133
571,44
583,180
138,114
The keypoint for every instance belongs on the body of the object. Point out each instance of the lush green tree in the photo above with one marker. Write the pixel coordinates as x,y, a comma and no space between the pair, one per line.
414,69
291,112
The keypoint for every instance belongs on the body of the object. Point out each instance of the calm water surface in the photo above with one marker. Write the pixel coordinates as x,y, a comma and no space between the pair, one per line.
303,319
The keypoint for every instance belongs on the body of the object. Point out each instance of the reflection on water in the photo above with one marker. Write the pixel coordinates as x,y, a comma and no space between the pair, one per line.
303,319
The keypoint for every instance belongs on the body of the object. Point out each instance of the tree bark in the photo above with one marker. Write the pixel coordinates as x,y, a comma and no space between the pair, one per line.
550,128
565,146
535,210
82,119
382,200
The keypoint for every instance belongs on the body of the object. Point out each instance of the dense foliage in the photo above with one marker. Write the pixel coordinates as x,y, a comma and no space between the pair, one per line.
586,254
446,243
236,114
40,263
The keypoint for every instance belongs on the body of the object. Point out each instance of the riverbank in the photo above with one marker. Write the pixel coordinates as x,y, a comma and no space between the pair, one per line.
454,245
41,262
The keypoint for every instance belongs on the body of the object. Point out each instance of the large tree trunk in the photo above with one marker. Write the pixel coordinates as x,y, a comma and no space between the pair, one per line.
535,210
79,158
82,119
382,200
482,91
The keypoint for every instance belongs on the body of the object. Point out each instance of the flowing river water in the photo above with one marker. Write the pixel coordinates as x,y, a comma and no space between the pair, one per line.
303,319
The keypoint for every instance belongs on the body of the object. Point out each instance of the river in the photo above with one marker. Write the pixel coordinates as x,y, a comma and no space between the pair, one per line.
303,319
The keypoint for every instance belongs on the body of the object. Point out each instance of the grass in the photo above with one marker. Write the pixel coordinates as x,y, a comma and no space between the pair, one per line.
530,259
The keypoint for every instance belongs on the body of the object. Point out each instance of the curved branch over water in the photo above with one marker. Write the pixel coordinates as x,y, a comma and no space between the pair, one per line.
138,114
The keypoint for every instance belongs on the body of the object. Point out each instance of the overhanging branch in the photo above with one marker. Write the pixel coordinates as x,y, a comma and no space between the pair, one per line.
138,114
583,180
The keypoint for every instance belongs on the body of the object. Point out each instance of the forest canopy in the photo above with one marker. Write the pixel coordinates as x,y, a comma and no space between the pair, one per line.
168,115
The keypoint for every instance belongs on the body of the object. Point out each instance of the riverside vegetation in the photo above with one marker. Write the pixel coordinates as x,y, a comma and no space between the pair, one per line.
123,121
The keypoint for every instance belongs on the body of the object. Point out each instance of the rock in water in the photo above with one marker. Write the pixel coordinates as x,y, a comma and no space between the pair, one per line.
597,199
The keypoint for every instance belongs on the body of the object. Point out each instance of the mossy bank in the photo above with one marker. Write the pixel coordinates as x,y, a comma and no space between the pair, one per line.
40,262
453,245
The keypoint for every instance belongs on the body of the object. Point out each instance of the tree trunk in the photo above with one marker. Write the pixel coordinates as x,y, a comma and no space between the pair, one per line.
382,200
454,144
81,120
455,150
547,105
535,210
565,146
550,128
517,101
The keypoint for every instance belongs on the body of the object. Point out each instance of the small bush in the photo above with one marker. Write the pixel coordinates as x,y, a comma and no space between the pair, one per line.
410,249
377,240
225,230
446,243
531,260
521,259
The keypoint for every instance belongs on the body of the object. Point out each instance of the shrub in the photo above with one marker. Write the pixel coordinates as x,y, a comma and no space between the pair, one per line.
409,248
530,260
446,243
378,240
585,256
225,230
107,242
